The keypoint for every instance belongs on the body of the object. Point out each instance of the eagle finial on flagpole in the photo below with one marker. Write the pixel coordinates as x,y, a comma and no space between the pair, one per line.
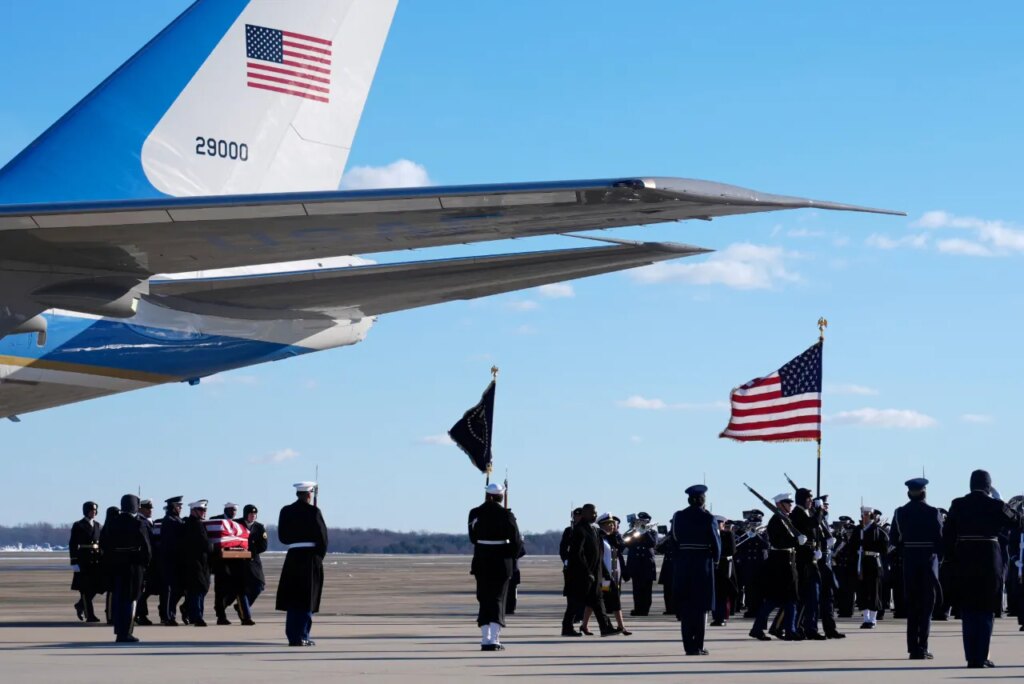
822,324
494,372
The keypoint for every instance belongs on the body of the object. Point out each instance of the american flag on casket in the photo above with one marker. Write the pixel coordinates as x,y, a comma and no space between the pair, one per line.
227,534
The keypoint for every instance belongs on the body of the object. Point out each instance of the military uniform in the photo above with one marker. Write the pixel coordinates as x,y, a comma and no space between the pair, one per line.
917,539
751,551
826,544
172,590
84,549
641,568
195,551
152,583
807,523
666,548
253,579
844,565
126,554
301,527
725,579
494,534
870,544
227,574
970,538
698,549
780,583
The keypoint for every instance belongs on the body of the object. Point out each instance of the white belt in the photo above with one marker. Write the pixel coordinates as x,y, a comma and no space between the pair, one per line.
301,545
492,542
872,553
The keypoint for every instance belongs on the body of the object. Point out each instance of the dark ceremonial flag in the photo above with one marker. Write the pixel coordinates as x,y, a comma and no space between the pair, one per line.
473,431
784,406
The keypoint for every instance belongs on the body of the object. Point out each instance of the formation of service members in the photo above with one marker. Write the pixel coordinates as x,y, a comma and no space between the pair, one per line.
128,558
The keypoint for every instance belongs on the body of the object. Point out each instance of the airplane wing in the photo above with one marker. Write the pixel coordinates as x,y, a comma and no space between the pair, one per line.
360,291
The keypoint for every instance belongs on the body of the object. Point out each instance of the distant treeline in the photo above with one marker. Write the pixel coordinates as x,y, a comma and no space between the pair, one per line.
342,540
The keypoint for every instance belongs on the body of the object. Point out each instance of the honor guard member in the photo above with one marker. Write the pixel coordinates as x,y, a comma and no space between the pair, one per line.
844,565
751,552
111,513
917,538
126,554
254,579
698,548
970,538
301,528
806,516
583,574
151,584
224,582
780,584
196,549
641,568
666,547
826,544
725,575
171,592
496,544
870,544
84,547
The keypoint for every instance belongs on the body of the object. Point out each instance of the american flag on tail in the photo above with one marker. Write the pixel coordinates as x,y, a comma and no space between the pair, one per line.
784,406
288,63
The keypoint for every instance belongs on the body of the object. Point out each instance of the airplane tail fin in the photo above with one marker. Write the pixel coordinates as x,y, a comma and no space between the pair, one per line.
233,97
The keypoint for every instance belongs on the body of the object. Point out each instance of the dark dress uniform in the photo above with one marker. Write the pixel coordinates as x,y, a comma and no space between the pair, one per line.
227,577
301,527
88,580
583,574
844,564
751,550
970,538
563,553
126,555
254,580
666,547
642,570
725,579
494,533
807,523
917,536
172,528
512,597
780,585
869,544
829,585
196,548
152,582
698,548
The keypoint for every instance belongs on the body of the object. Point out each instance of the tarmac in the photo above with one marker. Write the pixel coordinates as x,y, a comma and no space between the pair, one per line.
412,618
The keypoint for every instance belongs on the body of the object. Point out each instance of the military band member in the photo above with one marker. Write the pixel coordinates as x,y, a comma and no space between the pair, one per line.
583,574
780,583
751,553
917,539
698,549
641,568
224,580
869,543
301,527
826,544
253,579
196,549
970,538
126,555
151,582
806,516
725,575
844,564
172,590
666,547
84,548
496,544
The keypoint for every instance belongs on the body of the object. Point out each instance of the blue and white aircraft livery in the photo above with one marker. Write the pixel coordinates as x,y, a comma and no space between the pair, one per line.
183,219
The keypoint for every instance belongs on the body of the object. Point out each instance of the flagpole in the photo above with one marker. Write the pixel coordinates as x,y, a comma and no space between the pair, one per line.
490,466
822,324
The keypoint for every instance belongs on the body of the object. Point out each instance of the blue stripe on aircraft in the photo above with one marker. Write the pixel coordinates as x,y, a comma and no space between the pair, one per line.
118,345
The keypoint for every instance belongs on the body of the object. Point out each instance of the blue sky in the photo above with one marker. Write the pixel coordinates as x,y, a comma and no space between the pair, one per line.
613,394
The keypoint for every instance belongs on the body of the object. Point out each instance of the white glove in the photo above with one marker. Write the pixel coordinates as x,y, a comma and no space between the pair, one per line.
817,555
801,540
765,555
1018,564
817,503
831,542
75,568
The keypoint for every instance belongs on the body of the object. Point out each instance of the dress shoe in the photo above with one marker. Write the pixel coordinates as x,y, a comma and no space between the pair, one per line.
793,636
499,647
248,622
777,633
988,663
693,653
80,611
143,621
815,636
127,639
718,623
759,635
917,656
199,623
704,651
222,620
867,625
928,655
169,623
975,665
586,632
308,642
835,635
610,632
1021,628
625,632
92,618
296,643
572,633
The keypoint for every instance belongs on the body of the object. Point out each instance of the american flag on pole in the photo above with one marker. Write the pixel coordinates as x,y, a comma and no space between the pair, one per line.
288,63
784,406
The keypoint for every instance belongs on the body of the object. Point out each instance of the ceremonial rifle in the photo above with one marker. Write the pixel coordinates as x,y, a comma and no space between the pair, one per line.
506,488
791,483
316,489
775,509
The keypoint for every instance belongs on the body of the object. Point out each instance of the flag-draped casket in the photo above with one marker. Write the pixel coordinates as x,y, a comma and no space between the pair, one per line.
224,534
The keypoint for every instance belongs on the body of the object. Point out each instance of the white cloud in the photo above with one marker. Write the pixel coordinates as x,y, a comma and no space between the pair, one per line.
963,247
398,174
742,266
990,237
977,418
638,402
556,291
918,241
860,390
645,404
278,456
805,233
523,305
884,418
438,440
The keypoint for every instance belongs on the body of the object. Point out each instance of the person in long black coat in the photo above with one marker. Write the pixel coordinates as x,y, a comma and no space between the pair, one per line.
726,590
126,555
869,544
970,539
698,548
806,519
916,536
301,527
563,553
253,579
666,548
583,574
196,548
494,533
829,583
152,582
751,550
780,586
84,549
172,590
226,574
641,568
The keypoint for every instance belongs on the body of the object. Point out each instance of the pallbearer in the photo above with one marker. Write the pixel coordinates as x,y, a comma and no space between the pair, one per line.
84,547
126,555
697,551
917,536
494,534
301,528
254,581
195,550
172,589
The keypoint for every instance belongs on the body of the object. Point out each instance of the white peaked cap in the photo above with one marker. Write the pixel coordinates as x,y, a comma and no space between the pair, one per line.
720,518
304,486
605,516
230,505
779,498
202,503
494,489
867,509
